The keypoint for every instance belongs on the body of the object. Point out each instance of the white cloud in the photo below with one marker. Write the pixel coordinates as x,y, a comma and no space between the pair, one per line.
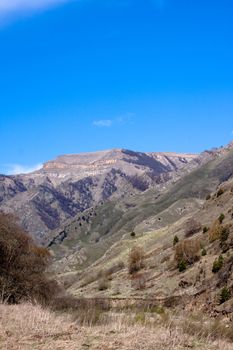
15,169
104,123
12,6
120,120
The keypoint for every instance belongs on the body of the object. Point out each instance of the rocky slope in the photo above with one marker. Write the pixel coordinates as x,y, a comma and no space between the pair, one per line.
195,271
70,184
86,237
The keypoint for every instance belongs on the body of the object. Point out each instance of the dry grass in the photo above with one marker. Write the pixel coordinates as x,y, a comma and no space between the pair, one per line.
30,327
27,327
215,231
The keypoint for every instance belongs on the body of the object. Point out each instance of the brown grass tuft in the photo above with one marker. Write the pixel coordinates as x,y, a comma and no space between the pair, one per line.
187,251
136,259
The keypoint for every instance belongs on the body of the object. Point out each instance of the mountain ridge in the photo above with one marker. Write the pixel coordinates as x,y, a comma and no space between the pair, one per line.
69,184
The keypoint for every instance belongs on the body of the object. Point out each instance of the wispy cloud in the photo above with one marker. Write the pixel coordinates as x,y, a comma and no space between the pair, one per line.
15,169
16,6
103,123
107,123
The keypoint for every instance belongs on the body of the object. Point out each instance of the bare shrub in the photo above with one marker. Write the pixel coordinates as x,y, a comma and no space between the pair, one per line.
187,251
215,231
136,259
193,226
23,265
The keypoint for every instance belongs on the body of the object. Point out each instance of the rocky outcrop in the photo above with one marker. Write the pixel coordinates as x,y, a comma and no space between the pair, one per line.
45,199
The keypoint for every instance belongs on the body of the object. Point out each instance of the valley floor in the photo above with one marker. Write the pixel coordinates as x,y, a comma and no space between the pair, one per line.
27,327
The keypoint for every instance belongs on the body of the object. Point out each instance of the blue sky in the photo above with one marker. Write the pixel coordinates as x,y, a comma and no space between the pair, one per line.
85,75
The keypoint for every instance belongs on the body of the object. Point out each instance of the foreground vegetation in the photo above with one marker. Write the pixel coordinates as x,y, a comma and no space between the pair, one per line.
23,266
169,288
29,327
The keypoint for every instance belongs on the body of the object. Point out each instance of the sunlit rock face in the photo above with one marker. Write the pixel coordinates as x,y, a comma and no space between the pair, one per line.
45,199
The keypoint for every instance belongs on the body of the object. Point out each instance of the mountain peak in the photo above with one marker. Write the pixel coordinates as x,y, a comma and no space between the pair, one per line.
75,182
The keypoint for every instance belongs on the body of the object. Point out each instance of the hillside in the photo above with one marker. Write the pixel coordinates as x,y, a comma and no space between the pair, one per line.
85,239
155,266
193,273
70,184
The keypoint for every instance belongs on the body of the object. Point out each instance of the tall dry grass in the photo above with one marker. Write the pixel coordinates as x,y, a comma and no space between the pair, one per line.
27,327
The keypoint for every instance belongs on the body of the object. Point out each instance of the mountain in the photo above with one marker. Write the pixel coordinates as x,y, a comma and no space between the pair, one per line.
174,210
89,235
184,236
199,285
47,198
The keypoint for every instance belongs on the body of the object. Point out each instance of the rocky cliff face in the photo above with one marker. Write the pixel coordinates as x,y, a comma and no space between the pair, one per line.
70,184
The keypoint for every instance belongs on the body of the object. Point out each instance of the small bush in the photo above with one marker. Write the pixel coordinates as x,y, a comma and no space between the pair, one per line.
208,197
192,227
182,266
218,264
175,240
221,218
220,192
205,229
224,234
203,252
132,234
225,295
136,259
215,231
